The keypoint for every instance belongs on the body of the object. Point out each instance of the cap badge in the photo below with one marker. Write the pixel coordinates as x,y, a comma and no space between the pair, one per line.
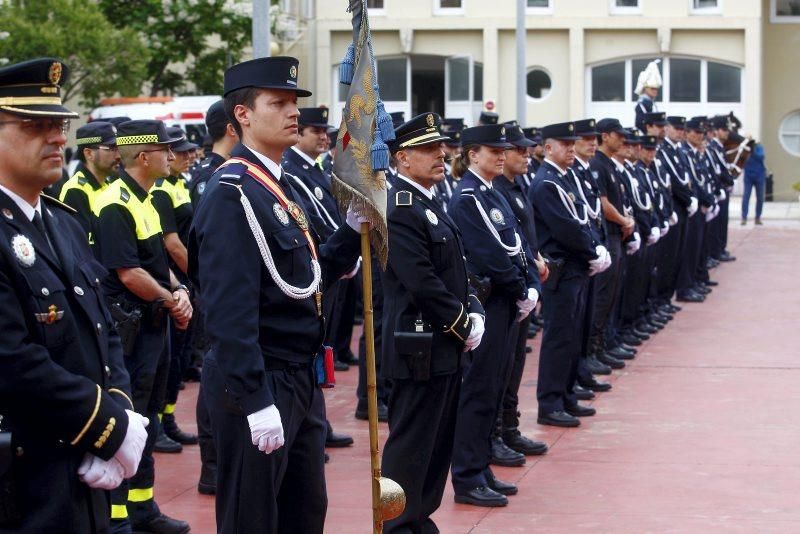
318,192
503,130
570,127
520,203
293,72
23,250
591,123
429,119
324,113
280,214
497,216
54,75
434,220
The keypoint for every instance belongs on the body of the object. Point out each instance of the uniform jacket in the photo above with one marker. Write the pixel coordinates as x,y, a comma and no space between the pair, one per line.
202,174
515,194
672,162
700,175
80,193
584,180
313,187
644,106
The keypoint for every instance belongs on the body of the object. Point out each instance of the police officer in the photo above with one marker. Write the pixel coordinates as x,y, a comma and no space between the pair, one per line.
223,138
432,318
565,236
141,290
535,153
68,432
719,131
99,158
496,255
264,319
174,206
647,87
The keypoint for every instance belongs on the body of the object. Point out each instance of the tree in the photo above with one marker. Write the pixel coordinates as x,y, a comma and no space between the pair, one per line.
103,60
203,36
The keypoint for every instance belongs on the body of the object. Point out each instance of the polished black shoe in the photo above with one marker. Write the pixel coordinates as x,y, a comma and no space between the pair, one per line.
528,350
726,256
340,366
656,323
504,456
165,444
644,336
596,367
503,488
675,308
161,524
192,374
363,414
595,385
559,418
580,411
630,339
621,353
661,316
173,431
522,444
327,457
482,496
610,361
336,441
532,331
701,290
690,297
644,328
629,348
582,393
208,480
712,283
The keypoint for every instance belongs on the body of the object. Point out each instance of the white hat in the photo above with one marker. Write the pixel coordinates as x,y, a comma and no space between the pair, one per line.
649,77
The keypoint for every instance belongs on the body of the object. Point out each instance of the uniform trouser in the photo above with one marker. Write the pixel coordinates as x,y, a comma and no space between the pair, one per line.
701,269
510,409
689,253
485,377
608,287
719,241
180,351
341,327
581,367
377,322
148,367
270,493
669,257
418,450
563,339
205,435
637,283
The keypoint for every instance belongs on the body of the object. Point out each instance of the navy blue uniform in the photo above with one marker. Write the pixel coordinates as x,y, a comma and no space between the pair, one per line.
202,174
644,106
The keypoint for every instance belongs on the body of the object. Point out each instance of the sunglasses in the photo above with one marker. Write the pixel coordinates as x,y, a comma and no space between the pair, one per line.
42,126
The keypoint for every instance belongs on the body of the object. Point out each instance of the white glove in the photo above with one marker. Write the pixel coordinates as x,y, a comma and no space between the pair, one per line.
692,209
712,213
655,235
527,305
100,474
354,272
130,452
266,429
633,246
601,262
355,218
475,333
722,195
673,219
664,229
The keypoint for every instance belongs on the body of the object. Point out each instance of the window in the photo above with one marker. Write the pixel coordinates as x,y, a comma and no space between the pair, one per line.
724,83
477,82
684,83
705,7
392,76
625,7
539,7
375,4
637,66
448,7
458,82
785,11
789,133
608,83
539,83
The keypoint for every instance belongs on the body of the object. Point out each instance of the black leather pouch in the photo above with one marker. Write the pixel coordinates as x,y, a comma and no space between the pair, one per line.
414,344
9,507
556,267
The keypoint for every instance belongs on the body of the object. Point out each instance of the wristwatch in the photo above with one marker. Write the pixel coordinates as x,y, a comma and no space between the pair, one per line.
181,286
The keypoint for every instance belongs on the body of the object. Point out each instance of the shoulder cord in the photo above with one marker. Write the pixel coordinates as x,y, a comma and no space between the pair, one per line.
314,201
593,213
569,205
290,291
666,183
685,179
635,193
697,175
511,251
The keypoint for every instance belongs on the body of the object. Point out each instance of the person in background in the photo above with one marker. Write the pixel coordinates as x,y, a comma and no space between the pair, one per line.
755,176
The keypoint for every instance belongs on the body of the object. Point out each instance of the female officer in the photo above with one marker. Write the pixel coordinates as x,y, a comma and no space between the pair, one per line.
496,259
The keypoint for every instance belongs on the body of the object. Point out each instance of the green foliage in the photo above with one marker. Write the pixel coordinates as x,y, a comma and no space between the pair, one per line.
205,36
103,60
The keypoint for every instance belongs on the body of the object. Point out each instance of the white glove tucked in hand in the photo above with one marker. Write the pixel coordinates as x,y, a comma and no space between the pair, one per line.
692,209
664,229
266,429
633,246
130,452
655,235
722,195
673,219
355,218
527,305
712,213
101,474
354,272
475,333
601,263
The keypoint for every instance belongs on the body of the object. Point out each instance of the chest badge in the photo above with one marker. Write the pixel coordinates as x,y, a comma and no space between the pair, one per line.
201,187
318,192
434,220
23,250
520,203
53,314
497,216
297,214
280,214
595,175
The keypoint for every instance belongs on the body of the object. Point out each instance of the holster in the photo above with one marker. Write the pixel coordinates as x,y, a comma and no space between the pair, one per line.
9,505
556,268
415,345
128,321
482,286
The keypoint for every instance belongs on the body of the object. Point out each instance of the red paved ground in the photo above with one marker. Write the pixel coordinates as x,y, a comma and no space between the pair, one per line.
700,434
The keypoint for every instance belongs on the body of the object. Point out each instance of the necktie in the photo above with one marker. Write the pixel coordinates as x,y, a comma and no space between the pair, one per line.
39,224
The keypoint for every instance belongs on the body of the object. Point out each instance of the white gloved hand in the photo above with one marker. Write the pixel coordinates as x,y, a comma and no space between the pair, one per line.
673,219
355,218
633,246
130,452
655,235
601,262
527,304
266,429
712,213
351,274
475,333
101,474
664,229
722,195
692,209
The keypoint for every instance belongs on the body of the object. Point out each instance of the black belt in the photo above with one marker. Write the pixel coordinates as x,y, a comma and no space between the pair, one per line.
275,364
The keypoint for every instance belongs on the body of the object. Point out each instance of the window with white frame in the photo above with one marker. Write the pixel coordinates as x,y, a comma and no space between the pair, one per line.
785,11
448,7
376,6
789,133
625,7
539,7
705,7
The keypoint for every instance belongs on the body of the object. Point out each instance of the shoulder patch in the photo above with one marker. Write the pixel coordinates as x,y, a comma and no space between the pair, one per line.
82,179
403,198
124,195
57,203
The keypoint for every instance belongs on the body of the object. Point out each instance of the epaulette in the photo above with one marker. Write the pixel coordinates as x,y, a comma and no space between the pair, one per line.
470,192
124,195
160,182
82,179
57,203
403,198
232,172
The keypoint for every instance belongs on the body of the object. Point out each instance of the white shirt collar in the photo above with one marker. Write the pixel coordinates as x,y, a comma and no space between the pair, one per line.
483,180
26,208
673,145
272,167
427,192
582,163
559,169
620,167
304,156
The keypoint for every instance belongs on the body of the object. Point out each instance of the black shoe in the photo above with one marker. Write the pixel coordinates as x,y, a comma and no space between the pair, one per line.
726,256
348,358
675,308
363,414
595,385
581,393
690,297
515,441
192,374
482,496
503,488
661,316
165,444
162,524
629,348
596,367
644,336
630,339
174,432
712,283
208,480
336,441
655,323
340,366
580,411
611,361
620,353
528,350
532,331
558,418
327,457
538,320
644,328
701,290
502,455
